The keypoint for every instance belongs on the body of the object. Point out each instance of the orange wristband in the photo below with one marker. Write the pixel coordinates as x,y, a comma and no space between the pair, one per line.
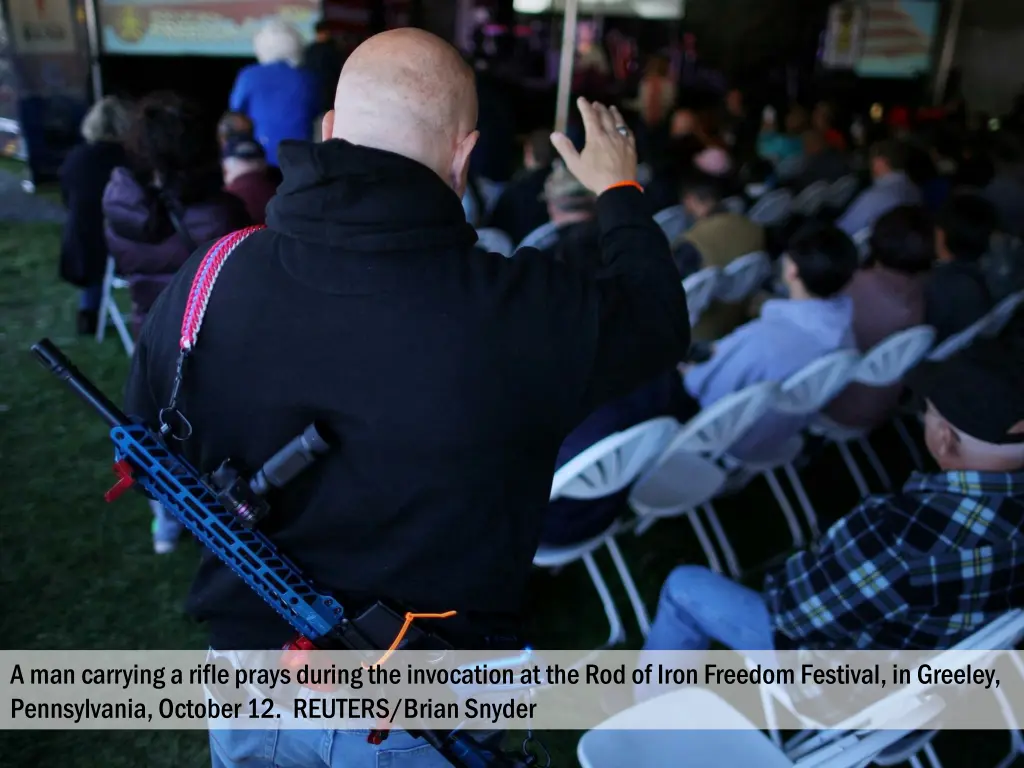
618,184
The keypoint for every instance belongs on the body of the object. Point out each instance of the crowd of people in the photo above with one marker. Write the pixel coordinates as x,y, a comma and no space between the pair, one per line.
461,379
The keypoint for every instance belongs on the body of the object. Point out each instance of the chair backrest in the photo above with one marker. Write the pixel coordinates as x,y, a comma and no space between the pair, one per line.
700,290
495,241
810,200
862,239
1004,310
842,191
115,281
959,341
790,167
889,360
742,277
672,220
735,204
713,431
811,388
772,209
544,236
615,462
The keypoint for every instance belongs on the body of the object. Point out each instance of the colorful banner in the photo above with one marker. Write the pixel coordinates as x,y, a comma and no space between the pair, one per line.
206,27
898,40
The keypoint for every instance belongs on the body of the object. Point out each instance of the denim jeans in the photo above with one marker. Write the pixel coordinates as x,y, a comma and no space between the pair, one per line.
319,749
697,606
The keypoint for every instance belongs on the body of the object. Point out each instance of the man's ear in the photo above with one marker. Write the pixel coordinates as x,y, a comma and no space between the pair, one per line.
460,163
789,271
946,442
327,126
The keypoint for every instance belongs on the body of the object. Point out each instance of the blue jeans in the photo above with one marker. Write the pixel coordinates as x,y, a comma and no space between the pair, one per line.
697,606
319,749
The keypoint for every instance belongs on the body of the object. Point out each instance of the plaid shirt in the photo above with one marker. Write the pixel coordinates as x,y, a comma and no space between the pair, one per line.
915,570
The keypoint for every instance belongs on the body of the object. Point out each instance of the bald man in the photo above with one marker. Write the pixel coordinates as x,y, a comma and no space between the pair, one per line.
450,376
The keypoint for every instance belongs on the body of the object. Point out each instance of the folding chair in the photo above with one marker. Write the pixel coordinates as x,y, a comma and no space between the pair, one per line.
1000,316
606,468
543,237
688,474
773,209
811,199
700,290
842,191
717,735
862,240
735,204
109,310
884,365
742,277
673,221
495,241
960,341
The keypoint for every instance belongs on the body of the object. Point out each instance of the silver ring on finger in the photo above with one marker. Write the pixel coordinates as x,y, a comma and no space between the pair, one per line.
623,131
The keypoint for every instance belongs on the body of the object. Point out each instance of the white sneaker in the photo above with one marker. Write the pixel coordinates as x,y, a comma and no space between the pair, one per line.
163,547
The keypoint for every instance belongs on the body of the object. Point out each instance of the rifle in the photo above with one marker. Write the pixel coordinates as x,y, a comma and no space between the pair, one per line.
221,510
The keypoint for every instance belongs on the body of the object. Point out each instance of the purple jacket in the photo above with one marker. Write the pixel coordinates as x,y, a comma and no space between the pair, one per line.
144,243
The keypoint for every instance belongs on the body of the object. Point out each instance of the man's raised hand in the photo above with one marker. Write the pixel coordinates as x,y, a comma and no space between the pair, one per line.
609,151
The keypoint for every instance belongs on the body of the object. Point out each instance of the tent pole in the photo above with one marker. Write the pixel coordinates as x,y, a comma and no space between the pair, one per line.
948,50
93,33
566,64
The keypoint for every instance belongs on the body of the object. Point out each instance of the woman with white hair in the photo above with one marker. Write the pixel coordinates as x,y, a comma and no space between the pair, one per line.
279,96
83,176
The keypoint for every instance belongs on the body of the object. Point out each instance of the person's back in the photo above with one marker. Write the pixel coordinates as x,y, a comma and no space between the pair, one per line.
324,60
282,98
891,188
957,293
888,297
448,376
520,208
247,176
789,334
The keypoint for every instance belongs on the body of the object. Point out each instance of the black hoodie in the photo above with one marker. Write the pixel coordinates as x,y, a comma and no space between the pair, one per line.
450,376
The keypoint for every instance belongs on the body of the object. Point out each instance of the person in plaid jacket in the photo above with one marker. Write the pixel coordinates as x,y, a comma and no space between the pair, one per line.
919,569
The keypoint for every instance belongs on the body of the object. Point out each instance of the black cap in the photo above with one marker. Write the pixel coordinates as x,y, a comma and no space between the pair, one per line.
244,147
980,390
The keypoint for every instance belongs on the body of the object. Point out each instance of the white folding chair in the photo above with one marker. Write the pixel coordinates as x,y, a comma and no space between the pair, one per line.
742,277
687,476
606,468
716,735
543,237
109,310
495,241
773,209
811,199
735,204
842,191
884,365
673,221
862,239
960,341
1000,316
700,291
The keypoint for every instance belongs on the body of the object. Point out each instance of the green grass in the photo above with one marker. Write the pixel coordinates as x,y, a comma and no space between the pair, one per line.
76,572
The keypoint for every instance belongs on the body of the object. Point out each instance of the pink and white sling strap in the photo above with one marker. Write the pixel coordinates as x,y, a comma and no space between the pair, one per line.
195,312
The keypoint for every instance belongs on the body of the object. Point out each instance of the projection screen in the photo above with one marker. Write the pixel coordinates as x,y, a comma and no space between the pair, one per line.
196,27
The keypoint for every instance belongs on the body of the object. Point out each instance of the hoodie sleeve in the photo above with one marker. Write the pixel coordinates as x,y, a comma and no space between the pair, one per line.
643,323
239,99
728,370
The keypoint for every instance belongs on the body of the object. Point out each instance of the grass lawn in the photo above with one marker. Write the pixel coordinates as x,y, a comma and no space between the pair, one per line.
76,572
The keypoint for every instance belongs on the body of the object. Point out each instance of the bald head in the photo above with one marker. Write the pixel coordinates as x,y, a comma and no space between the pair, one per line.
409,92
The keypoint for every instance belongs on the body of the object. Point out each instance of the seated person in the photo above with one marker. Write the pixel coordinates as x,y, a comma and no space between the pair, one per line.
246,175
716,238
822,162
902,571
572,521
791,333
888,297
891,187
957,293
520,209
572,208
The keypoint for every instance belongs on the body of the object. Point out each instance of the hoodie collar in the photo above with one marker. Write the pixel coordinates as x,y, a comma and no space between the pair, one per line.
827,319
363,199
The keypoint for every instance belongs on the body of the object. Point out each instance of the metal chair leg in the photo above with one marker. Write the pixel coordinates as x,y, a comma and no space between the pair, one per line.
642,619
804,500
933,759
731,561
858,478
908,441
787,509
705,541
875,462
617,633
105,299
